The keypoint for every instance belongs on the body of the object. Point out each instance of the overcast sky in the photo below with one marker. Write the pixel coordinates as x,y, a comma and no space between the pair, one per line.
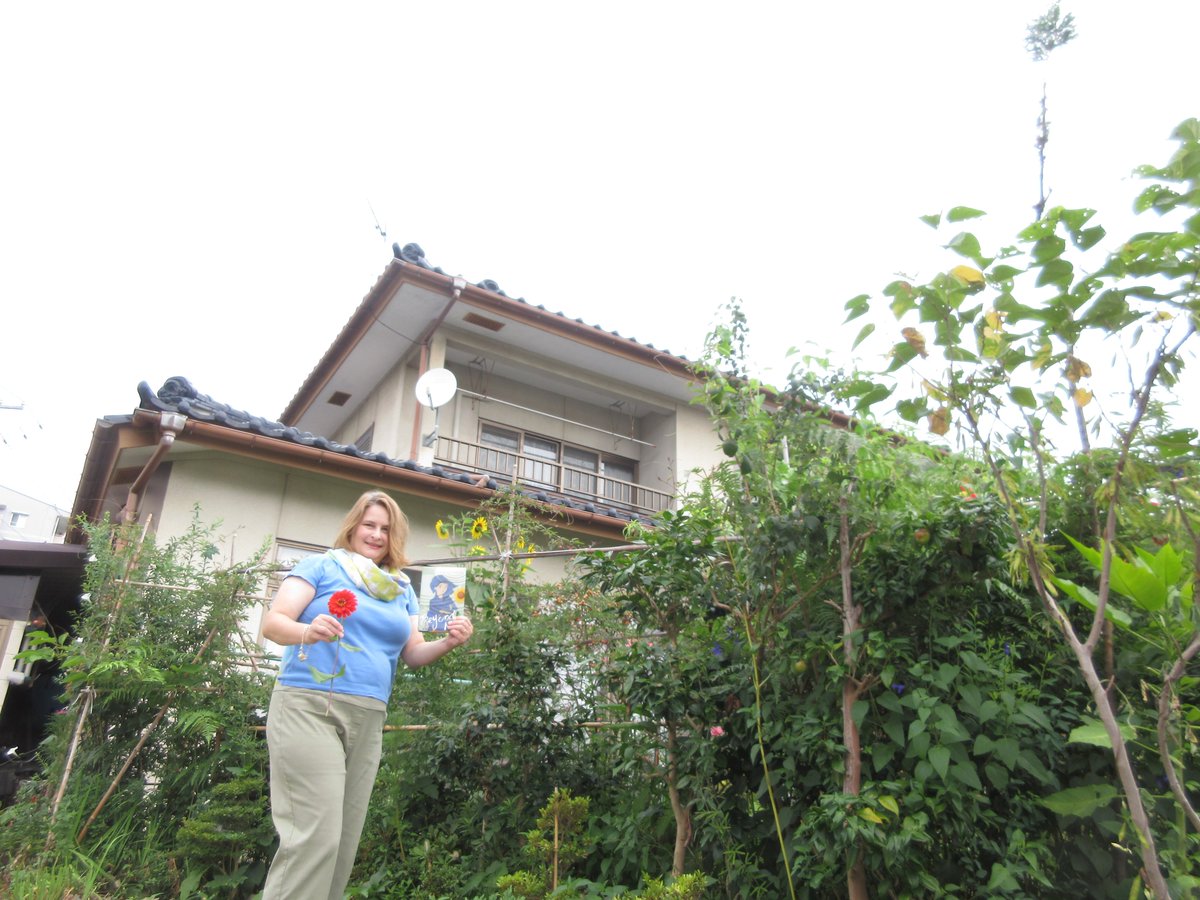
188,189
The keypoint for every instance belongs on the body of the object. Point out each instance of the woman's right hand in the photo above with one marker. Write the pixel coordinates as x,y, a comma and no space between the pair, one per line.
324,628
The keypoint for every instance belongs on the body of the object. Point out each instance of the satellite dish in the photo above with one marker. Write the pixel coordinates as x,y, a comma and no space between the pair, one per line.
436,388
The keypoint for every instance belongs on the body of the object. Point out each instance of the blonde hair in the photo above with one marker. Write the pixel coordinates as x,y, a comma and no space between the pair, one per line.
395,557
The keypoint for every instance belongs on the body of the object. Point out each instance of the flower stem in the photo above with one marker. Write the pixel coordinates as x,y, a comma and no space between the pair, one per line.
337,646
762,752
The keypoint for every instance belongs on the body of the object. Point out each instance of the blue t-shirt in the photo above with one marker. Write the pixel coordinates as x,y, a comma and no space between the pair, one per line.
379,629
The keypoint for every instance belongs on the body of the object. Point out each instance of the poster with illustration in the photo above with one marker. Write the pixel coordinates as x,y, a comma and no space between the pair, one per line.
442,593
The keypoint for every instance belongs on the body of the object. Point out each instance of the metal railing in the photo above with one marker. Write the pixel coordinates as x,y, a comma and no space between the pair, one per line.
549,476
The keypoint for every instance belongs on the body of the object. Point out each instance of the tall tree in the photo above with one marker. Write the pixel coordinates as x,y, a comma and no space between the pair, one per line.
1046,34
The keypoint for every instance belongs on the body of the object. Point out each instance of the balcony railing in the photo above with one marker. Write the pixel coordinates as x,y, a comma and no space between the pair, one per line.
549,476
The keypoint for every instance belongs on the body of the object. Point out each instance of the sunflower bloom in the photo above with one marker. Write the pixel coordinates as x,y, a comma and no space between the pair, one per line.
479,528
440,527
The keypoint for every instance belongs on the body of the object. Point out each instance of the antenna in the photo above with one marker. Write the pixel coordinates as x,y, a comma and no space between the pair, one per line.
434,390
382,231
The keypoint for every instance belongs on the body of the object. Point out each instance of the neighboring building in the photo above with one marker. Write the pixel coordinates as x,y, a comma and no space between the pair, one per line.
596,427
23,518
40,583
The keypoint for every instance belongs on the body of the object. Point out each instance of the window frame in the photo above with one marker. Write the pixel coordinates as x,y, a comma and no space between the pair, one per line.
601,486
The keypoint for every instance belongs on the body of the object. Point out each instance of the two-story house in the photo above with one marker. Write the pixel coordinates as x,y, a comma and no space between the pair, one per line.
597,428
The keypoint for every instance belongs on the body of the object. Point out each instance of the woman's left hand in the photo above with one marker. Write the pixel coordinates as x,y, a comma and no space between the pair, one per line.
459,631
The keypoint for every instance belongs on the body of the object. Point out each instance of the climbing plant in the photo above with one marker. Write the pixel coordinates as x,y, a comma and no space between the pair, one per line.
1016,350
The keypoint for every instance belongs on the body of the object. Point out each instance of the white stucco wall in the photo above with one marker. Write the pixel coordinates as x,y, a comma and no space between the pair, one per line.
696,443
35,519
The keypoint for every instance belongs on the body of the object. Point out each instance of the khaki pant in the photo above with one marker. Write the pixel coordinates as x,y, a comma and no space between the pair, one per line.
322,771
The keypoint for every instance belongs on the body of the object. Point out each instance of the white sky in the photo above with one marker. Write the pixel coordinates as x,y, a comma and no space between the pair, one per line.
185,188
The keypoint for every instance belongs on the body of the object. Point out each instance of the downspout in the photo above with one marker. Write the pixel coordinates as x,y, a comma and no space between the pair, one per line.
459,285
170,424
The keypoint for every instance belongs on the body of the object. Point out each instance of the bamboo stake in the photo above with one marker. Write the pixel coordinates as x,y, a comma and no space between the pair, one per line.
546,554
86,706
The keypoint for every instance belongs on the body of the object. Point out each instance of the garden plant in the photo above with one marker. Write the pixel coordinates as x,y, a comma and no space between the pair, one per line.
927,630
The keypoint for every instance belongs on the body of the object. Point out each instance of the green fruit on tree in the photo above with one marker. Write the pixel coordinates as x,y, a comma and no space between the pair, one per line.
800,666
921,535
730,448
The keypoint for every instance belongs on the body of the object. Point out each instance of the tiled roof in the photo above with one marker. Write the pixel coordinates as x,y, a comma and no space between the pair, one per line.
412,254
177,395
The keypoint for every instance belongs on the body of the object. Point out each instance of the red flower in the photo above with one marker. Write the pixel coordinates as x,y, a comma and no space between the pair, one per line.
342,604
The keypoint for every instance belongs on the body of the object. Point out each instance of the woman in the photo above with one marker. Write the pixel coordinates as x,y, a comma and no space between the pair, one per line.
325,724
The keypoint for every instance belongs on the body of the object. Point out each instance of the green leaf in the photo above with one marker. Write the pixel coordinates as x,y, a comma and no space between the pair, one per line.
1001,880
989,710
1023,396
863,334
902,302
1057,272
932,220
997,775
939,758
945,676
1175,443
902,355
913,410
1134,580
859,711
972,698
881,755
1006,751
857,306
876,394
966,244
1089,237
1080,801
890,804
1004,272
962,213
1034,713
1029,761
1085,596
960,354
965,772
983,744
1111,311
322,677
1166,564
1094,733
1048,248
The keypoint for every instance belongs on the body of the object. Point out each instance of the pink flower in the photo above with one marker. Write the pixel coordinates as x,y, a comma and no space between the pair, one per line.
716,731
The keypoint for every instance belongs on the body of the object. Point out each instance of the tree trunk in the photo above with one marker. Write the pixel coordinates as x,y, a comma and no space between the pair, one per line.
856,876
682,812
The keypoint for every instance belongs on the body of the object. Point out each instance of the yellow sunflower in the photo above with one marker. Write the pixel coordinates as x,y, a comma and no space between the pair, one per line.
479,528
441,530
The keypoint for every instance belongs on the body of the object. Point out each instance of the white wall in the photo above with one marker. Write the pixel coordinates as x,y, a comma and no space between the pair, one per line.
36,519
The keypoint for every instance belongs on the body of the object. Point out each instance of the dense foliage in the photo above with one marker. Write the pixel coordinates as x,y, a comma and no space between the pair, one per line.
154,773
849,664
